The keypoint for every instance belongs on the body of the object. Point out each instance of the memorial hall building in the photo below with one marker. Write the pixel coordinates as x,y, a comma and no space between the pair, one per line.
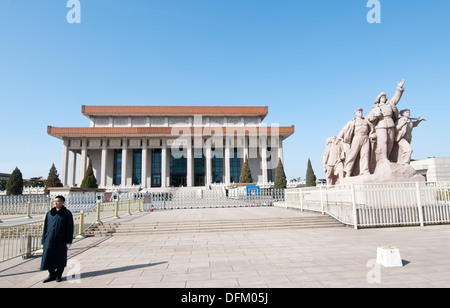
144,147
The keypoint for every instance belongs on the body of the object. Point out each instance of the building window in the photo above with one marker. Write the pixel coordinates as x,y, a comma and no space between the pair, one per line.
156,168
217,169
117,172
137,166
178,170
199,171
235,167
270,171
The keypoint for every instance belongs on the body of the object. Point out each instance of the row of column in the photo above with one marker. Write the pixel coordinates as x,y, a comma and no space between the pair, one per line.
70,181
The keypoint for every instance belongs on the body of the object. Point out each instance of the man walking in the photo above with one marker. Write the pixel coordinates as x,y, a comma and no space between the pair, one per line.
56,237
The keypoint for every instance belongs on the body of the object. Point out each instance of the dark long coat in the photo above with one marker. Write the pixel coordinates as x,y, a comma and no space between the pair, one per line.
58,232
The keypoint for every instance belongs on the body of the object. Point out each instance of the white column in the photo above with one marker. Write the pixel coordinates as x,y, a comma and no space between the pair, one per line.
208,163
83,159
245,147
73,168
227,170
280,149
263,151
103,163
190,165
123,183
144,163
164,163
65,162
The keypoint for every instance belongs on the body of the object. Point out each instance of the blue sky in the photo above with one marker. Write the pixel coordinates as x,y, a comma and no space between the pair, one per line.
311,62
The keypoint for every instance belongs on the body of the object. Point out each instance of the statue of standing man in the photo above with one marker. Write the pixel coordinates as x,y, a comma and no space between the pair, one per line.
383,116
355,135
404,127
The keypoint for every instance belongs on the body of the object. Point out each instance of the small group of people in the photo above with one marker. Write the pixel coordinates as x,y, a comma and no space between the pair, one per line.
383,136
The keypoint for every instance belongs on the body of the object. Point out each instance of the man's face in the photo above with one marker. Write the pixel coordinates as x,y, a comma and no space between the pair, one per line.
383,100
58,203
358,113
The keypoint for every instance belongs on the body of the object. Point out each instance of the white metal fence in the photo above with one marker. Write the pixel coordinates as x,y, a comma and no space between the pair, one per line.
22,240
41,204
375,205
184,199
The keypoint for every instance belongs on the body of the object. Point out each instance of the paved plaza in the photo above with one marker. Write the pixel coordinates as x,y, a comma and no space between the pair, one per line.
287,258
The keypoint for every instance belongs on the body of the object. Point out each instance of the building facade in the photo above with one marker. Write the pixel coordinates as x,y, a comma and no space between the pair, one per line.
435,169
144,147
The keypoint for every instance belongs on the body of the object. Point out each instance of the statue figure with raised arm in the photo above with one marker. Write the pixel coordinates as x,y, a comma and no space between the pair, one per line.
383,116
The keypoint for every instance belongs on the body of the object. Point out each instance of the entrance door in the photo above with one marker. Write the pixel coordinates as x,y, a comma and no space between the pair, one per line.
178,171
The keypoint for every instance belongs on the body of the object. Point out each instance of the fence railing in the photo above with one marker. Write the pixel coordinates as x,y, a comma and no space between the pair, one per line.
375,205
22,240
183,199
41,204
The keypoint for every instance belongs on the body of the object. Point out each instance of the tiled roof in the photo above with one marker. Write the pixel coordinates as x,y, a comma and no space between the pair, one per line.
60,132
174,110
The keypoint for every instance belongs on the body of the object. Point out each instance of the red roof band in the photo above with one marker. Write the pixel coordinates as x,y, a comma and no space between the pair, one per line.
121,131
174,110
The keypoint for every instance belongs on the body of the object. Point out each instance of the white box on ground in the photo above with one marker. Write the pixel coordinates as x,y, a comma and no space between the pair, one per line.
389,257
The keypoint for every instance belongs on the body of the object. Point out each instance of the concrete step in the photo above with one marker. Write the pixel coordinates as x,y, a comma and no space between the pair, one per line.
212,226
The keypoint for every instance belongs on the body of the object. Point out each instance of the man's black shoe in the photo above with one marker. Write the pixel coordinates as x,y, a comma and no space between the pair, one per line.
58,279
49,278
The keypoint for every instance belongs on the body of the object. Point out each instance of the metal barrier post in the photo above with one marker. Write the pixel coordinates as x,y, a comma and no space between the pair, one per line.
301,199
117,210
128,208
81,226
321,199
28,210
98,213
419,204
26,246
355,216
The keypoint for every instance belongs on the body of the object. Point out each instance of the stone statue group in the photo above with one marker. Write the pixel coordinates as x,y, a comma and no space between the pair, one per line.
368,145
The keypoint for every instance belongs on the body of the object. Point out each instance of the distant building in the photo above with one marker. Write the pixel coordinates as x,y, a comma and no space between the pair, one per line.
4,176
140,147
436,169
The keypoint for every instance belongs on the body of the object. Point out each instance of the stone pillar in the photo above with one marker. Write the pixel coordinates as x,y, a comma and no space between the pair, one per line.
65,162
189,165
83,159
263,152
245,149
227,168
164,163
144,163
280,149
103,163
73,168
208,163
123,182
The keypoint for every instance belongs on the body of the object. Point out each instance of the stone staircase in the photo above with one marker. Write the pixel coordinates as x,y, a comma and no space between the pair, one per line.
170,227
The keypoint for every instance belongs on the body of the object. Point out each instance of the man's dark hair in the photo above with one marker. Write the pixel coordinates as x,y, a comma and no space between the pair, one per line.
61,198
